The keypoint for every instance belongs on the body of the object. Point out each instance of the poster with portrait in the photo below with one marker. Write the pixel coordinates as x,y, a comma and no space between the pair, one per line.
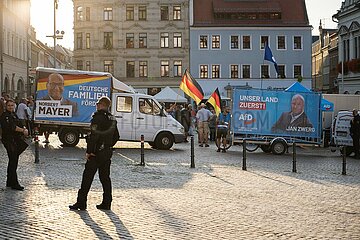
277,113
69,97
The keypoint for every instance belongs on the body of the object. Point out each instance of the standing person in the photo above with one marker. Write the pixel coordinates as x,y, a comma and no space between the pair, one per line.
212,125
186,121
104,134
223,127
30,105
22,112
203,116
13,143
355,132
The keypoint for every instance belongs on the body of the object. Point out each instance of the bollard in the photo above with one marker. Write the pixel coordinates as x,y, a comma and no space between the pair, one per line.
142,162
294,158
244,155
192,164
344,161
36,138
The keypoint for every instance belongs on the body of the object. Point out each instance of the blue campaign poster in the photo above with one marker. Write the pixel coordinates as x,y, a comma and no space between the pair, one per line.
276,113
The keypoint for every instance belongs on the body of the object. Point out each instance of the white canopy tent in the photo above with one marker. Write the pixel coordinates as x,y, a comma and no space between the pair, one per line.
169,95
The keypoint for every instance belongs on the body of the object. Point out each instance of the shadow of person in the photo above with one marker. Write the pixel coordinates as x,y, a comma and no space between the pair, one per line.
99,232
121,230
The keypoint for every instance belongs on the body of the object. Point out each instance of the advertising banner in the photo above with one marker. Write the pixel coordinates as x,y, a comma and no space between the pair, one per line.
276,113
69,97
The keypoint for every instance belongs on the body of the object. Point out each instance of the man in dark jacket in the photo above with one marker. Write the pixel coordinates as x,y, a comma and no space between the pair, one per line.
103,137
355,132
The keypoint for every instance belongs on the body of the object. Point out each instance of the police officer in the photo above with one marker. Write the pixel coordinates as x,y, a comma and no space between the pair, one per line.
12,131
103,137
355,132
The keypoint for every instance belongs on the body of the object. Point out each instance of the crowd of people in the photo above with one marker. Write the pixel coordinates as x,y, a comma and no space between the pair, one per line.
203,120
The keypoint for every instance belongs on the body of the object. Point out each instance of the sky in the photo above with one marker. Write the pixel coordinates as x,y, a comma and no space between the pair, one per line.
42,15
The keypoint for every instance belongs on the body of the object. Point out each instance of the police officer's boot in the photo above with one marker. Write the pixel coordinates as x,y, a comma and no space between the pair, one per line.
78,206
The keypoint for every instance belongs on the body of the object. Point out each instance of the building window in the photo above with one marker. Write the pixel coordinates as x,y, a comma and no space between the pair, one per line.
265,71
177,68
142,40
177,40
164,68
79,41
129,40
263,41
281,69
79,65
108,40
143,69
109,66
246,43
88,66
234,42
130,69
87,17
234,71
215,42
281,44
164,40
297,71
203,42
87,40
177,13
164,12
142,13
129,13
297,42
246,69
215,71
204,71
108,14
79,14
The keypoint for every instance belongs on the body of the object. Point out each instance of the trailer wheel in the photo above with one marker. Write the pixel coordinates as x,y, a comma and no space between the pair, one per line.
266,148
349,151
69,137
250,147
164,141
278,147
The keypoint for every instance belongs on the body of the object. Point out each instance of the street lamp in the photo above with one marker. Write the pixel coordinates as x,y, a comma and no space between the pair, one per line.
57,34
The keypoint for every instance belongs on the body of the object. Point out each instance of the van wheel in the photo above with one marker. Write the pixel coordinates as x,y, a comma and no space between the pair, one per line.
164,141
349,151
69,137
266,148
278,147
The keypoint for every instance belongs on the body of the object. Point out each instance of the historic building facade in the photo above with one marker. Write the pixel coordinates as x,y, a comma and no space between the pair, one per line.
349,46
14,48
142,43
227,42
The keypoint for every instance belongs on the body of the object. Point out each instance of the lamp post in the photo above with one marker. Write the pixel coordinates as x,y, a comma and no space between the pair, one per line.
57,34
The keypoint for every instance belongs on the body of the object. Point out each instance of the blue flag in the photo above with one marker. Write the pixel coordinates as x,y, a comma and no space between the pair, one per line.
269,56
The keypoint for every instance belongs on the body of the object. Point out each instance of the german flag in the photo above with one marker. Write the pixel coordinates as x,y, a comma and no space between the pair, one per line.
191,87
215,101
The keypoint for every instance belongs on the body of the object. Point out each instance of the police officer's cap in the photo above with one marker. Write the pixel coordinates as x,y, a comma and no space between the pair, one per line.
104,100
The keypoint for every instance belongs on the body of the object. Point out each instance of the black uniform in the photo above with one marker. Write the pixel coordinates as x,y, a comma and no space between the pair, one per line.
355,134
13,143
104,135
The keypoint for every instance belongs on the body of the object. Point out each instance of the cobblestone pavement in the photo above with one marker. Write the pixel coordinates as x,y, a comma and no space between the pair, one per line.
167,199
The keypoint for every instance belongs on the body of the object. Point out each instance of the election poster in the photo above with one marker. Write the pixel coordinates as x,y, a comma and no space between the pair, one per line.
69,97
276,113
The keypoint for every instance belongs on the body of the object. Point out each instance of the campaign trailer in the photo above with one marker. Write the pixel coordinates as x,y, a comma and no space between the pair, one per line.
272,120
65,101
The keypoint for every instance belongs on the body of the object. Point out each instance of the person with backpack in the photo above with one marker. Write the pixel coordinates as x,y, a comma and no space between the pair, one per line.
104,135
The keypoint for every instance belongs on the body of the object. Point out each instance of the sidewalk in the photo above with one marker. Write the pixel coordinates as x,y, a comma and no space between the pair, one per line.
168,200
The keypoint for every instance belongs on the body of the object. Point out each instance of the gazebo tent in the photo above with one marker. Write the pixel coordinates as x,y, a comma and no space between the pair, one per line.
169,95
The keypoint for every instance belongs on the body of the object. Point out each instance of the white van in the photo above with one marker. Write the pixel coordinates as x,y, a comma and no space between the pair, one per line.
77,93
340,131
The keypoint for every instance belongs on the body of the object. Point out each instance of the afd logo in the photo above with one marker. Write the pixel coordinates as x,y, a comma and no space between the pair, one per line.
247,118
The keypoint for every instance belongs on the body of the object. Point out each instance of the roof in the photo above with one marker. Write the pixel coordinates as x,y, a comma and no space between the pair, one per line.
250,13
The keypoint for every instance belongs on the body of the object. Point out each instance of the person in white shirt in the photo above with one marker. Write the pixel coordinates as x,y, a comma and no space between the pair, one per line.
203,116
23,111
